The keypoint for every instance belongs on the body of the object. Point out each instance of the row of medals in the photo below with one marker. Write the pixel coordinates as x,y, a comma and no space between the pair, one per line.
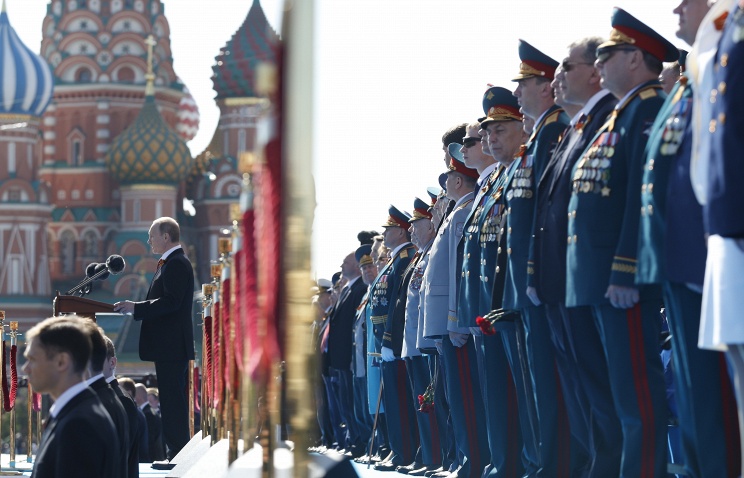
675,128
521,184
380,293
491,227
593,169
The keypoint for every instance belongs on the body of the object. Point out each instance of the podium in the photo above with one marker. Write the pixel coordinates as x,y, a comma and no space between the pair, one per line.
72,304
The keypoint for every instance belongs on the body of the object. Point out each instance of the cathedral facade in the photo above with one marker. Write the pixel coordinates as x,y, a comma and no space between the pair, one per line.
88,158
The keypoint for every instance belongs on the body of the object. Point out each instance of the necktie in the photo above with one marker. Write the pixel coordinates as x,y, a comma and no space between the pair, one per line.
160,263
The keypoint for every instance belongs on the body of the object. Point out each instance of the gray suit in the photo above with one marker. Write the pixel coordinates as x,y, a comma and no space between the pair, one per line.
412,338
439,282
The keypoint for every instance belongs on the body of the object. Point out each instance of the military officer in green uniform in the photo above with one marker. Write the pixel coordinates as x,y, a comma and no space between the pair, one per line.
603,239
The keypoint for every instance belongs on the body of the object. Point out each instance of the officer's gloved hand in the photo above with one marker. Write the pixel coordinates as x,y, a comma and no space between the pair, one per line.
387,354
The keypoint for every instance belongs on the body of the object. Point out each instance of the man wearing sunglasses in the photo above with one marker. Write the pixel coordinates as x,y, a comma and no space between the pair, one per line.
602,241
574,334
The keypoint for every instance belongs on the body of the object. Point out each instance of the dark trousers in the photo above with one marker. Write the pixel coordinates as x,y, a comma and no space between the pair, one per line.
550,425
324,420
428,429
631,342
399,412
582,367
174,403
705,398
442,410
340,432
466,407
343,389
362,418
502,411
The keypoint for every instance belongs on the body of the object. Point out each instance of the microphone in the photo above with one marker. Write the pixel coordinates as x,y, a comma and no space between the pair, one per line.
99,271
91,269
115,264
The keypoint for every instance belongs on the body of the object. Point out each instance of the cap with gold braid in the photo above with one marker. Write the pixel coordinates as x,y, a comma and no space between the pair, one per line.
420,210
363,255
629,31
499,104
396,218
534,63
457,161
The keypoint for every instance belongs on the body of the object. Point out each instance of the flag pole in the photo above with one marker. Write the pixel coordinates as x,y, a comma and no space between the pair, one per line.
299,201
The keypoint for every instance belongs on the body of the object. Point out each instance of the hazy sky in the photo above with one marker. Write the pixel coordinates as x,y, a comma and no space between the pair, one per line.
391,77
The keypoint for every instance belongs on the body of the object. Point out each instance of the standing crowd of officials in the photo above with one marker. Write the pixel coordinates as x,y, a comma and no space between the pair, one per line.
518,322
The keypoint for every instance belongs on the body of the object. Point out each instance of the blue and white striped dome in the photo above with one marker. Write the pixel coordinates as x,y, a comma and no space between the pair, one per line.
26,77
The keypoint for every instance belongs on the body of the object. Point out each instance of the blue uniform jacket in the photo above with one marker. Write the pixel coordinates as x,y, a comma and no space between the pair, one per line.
383,299
664,146
553,193
603,217
519,192
723,210
478,244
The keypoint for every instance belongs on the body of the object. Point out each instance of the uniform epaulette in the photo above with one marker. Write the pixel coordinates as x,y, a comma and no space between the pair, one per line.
647,93
465,204
553,117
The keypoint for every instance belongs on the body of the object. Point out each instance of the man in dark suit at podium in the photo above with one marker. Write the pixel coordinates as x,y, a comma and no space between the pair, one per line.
79,438
167,336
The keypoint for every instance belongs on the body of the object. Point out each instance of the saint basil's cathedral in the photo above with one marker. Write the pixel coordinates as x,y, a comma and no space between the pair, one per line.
88,158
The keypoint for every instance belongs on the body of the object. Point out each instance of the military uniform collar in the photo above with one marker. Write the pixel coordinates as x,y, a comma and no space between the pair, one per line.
540,122
643,87
395,251
464,199
486,173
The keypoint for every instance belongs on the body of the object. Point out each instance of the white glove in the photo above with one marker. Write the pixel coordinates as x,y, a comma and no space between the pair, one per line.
387,354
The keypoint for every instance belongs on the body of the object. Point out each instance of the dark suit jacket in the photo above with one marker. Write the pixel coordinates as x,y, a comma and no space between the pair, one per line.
117,413
155,434
553,194
130,408
167,331
79,442
340,337
143,440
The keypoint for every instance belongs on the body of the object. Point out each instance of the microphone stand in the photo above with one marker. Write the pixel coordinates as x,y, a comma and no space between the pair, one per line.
86,284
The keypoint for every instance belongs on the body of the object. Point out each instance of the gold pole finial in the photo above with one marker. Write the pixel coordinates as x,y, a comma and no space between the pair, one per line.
150,76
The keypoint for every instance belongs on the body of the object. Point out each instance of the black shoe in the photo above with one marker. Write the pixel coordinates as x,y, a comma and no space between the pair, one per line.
408,468
387,466
433,472
163,465
421,471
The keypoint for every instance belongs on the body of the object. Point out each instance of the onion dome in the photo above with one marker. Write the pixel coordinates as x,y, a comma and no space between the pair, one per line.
253,43
27,79
187,117
149,151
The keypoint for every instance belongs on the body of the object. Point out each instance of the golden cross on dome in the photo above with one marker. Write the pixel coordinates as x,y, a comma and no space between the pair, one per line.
150,76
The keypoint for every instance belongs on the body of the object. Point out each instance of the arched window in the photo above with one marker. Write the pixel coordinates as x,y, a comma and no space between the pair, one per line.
83,75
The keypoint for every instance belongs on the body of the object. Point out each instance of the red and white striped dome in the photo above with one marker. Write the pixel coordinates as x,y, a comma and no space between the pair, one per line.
188,117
